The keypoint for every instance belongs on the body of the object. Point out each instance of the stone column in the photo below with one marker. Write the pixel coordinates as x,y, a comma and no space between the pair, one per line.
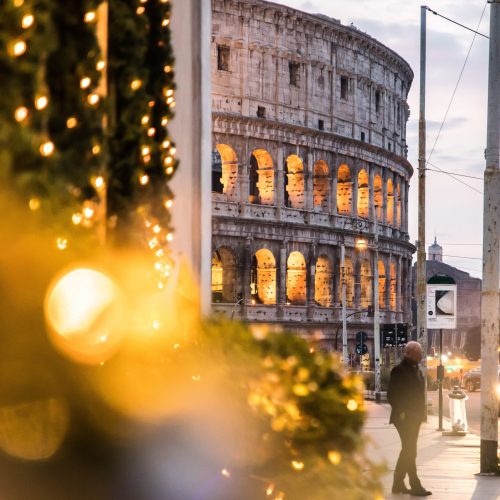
354,189
311,275
246,270
384,196
308,182
372,213
395,204
357,283
279,179
333,184
281,298
399,283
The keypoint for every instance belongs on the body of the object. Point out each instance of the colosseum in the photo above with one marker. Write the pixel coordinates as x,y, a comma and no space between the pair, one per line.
309,153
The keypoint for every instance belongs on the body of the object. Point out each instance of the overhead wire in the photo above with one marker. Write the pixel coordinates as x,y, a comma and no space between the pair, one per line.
476,32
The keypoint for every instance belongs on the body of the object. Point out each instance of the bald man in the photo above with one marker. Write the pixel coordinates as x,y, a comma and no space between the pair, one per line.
407,399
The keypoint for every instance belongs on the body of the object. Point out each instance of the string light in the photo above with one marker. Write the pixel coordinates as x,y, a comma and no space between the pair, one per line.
27,21
71,122
145,150
151,132
270,489
167,69
96,149
156,229
335,457
89,16
165,144
140,10
170,237
41,102
165,22
47,148
21,113
98,182
93,99
34,204
100,65
85,82
136,84
352,405
61,243
20,48
297,465
145,120
76,218
88,212
18,3
168,161
169,203
144,179
225,473
164,121
156,325
169,93
169,170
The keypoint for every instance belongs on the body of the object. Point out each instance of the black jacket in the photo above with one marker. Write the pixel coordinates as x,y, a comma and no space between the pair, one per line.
406,393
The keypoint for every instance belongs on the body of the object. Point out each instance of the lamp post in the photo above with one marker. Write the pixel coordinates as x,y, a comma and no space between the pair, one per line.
376,313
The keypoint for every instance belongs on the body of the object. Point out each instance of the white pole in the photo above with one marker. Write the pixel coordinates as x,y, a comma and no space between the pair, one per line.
376,318
490,295
345,353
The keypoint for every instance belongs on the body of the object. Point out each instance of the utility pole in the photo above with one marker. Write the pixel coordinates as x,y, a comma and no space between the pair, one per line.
345,354
421,267
376,316
490,296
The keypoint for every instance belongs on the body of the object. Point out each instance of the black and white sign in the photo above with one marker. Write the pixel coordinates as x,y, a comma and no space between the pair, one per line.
441,306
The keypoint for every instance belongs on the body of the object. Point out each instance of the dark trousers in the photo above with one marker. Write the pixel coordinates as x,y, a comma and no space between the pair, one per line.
408,432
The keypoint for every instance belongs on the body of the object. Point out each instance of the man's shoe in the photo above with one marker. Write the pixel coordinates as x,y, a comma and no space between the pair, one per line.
421,492
400,488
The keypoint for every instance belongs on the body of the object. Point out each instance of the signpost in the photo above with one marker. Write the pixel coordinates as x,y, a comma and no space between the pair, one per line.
442,315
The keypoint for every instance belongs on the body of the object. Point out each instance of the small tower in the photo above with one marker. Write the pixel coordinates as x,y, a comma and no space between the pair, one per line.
436,251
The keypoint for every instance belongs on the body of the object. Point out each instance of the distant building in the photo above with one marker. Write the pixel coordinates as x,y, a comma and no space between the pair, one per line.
468,301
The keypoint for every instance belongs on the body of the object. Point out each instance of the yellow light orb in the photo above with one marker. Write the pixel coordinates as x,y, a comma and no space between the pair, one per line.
71,122
168,160
88,212
82,311
335,457
165,22
41,102
76,218
169,204
140,10
85,82
19,48
352,405
145,120
144,179
47,148
136,84
170,100
62,243
170,237
145,151
173,151
297,465
100,65
18,3
34,204
89,16
164,121
167,69
27,21
169,170
21,113
96,149
93,99
98,182
151,131
169,93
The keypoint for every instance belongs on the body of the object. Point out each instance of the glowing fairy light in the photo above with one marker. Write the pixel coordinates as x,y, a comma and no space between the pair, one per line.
167,69
352,405
93,99
100,65
157,229
225,473
145,120
164,122
153,242
18,3
41,102
89,16
27,21
173,151
170,100
151,131
156,325
165,144
47,148
143,179
62,243
169,170
34,204
169,93
21,113
270,489
140,10
96,149
170,237
136,84
196,378
297,465
160,253
169,203
88,212
168,161
146,159
165,22
335,457
145,150
76,218
98,182
85,82
71,122
19,48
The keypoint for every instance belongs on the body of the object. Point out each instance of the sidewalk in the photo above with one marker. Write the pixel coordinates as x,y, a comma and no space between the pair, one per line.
447,466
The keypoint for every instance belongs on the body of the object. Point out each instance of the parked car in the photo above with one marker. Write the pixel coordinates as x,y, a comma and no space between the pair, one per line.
472,379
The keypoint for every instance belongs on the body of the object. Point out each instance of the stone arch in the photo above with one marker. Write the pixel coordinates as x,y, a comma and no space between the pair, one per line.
378,196
296,282
321,185
223,275
323,282
393,286
263,277
366,284
363,194
228,170
261,178
390,202
381,284
349,282
294,189
344,190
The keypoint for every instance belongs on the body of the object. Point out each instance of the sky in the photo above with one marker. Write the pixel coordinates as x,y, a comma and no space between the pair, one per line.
453,210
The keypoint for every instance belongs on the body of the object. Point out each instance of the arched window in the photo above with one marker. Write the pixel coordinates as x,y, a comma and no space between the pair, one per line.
366,284
217,186
393,287
344,190
296,288
381,284
363,194
228,169
294,190
349,282
378,196
321,185
323,282
223,275
261,178
263,277
390,202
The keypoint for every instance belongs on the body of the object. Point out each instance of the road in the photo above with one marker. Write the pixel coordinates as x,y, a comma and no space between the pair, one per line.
472,406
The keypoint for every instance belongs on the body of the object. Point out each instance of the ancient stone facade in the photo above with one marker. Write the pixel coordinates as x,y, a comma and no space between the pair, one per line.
309,150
